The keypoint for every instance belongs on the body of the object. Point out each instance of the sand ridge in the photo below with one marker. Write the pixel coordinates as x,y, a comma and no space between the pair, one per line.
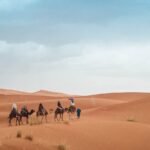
116,121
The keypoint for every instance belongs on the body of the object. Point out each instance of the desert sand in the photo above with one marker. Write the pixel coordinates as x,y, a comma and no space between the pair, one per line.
114,121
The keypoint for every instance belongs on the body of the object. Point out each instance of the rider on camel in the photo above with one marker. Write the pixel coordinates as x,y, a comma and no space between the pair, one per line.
72,103
24,109
15,108
41,108
59,106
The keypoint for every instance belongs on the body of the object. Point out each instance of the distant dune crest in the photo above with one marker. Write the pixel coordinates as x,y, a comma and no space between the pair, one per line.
116,96
12,92
49,93
38,93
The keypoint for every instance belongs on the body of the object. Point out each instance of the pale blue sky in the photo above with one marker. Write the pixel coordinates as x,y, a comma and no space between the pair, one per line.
79,47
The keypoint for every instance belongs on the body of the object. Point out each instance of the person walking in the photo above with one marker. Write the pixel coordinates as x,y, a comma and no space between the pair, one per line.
78,113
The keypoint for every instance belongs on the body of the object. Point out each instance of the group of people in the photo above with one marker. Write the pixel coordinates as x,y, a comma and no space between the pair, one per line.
72,106
42,109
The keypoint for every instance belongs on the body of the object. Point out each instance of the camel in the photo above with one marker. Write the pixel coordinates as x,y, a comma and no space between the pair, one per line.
59,112
71,110
42,114
18,116
26,114
15,115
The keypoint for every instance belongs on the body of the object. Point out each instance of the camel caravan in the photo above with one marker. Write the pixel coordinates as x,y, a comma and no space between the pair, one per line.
58,113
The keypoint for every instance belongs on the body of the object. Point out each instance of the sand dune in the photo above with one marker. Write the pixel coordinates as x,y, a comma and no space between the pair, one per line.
116,121
85,134
127,96
37,93
11,92
48,93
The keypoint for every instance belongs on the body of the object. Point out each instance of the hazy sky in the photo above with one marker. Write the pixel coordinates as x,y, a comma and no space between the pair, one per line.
75,46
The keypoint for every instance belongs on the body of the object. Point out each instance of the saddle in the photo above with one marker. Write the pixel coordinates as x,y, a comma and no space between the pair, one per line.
72,108
59,110
24,111
42,112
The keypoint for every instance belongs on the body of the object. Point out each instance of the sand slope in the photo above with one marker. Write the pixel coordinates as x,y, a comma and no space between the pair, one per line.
127,96
11,92
48,93
117,121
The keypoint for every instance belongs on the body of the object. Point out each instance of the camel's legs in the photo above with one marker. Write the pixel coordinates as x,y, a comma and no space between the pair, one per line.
55,116
69,115
17,121
46,118
10,121
27,119
60,116
42,119
21,120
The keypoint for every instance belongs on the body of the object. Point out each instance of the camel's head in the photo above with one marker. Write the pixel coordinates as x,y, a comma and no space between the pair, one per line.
66,109
32,111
